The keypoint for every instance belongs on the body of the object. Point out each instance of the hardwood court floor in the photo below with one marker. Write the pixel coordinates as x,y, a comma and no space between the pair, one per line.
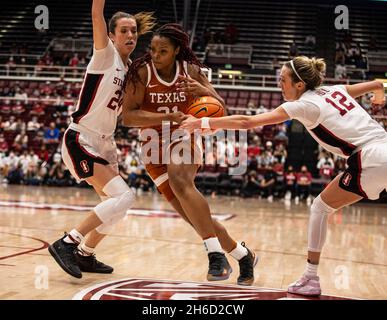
159,246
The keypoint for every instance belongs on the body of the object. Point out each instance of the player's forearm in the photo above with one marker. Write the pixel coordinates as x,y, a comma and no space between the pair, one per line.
97,9
141,118
245,122
359,89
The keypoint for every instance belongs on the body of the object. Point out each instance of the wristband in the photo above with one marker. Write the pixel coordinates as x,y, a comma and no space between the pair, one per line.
206,123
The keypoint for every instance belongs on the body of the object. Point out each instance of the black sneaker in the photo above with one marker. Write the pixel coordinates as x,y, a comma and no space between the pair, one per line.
91,264
246,268
64,255
219,268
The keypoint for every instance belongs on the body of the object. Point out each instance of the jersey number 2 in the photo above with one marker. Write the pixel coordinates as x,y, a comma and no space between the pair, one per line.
343,102
115,101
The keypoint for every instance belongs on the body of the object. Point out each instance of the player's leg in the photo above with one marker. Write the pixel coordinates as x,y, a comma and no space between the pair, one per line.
246,258
102,217
331,199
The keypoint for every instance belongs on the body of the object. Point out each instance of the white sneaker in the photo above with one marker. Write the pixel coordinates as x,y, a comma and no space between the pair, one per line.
270,199
306,286
297,200
308,201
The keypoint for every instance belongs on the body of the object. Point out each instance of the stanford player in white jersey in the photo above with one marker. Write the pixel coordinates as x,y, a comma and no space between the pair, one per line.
334,118
89,149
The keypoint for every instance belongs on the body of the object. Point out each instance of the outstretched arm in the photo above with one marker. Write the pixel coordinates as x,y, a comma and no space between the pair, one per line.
100,36
376,87
278,115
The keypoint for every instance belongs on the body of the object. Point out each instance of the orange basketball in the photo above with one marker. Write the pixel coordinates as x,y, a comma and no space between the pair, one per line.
206,107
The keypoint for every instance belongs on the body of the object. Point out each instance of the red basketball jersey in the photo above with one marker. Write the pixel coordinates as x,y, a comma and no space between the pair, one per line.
162,96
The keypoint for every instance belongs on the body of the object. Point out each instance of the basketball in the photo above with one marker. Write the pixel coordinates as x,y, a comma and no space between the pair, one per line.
206,107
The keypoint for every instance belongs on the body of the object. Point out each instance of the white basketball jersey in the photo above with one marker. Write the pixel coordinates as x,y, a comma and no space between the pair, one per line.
343,126
101,96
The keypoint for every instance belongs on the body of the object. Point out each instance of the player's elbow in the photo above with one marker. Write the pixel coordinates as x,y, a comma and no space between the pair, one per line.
379,85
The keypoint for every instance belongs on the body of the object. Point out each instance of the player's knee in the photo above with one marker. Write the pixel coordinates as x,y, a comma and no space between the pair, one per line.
320,207
180,185
121,199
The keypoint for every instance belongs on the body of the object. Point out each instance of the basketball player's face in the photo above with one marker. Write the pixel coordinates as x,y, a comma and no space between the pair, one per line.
163,52
125,37
290,92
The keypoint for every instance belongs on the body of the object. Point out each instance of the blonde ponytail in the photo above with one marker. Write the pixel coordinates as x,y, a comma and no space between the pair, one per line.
308,70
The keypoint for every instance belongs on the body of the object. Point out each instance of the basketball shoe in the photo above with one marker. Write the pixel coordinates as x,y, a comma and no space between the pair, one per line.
219,268
306,286
64,255
91,264
246,268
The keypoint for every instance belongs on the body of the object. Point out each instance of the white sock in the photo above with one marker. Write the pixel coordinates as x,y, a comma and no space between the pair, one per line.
85,251
310,270
74,237
239,252
213,245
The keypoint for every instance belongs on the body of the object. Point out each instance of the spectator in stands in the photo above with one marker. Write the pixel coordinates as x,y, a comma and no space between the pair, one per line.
21,69
325,160
38,109
290,182
43,153
261,109
280,153
251,185
265,159
33,124
17,126
15,175
293,50
10,66
340,56
21,141
304,183
18,108
51,134
231,33
310,41
32,176
281,136
3,144
268,182
326,168
6,107
59,175
340,71
73,63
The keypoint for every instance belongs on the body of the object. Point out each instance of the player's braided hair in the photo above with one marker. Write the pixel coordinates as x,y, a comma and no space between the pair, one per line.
176,34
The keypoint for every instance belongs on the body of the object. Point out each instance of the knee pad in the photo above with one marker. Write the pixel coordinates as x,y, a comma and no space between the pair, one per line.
121,199
318,221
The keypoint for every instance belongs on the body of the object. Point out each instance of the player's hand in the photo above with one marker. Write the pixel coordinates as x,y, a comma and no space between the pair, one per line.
191,123
191,86
177,117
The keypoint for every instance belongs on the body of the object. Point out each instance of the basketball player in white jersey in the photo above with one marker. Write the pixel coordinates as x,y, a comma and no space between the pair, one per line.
337,122
89,149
